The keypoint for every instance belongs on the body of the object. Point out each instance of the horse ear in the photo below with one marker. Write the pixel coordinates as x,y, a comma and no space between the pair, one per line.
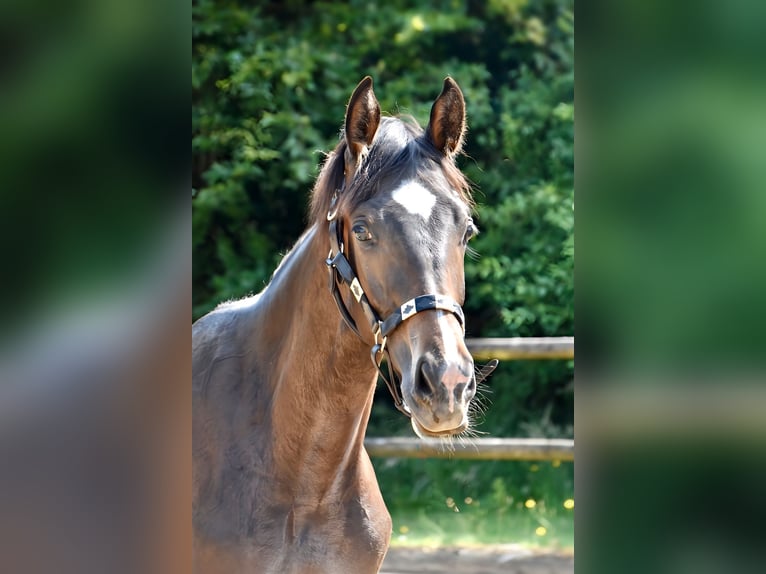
446,127
362,119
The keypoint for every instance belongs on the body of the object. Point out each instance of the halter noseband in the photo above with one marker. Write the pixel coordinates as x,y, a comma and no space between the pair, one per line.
340,271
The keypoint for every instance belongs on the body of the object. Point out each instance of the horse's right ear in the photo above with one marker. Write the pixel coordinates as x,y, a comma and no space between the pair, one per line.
446,127
362,119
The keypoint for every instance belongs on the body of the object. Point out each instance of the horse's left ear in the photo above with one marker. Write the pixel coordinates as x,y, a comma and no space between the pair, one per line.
446,127
362,119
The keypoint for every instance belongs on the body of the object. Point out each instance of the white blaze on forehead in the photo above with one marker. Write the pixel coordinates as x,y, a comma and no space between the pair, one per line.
415,198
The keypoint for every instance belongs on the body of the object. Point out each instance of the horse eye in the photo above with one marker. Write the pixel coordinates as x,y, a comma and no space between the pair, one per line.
470,233
361,232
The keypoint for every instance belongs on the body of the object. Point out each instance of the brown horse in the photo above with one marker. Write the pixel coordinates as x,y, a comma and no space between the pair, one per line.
282,381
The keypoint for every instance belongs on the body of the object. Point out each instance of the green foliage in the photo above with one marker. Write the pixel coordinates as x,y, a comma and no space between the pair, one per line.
461,502
269,87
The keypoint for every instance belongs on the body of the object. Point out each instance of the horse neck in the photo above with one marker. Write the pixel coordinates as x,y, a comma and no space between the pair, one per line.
324,384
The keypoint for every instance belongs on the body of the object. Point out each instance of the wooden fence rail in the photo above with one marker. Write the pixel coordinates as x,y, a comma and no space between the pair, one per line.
512,348
475,449
522,348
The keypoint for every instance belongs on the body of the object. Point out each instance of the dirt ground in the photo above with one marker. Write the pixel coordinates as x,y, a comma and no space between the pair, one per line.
495,560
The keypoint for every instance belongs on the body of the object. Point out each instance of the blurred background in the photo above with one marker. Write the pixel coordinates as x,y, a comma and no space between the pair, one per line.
671,245
95,234
270,83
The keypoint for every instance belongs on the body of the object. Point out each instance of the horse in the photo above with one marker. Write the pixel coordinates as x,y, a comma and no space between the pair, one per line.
283,381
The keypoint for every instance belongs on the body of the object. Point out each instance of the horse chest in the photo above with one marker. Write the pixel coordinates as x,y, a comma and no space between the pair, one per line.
336,546
348,535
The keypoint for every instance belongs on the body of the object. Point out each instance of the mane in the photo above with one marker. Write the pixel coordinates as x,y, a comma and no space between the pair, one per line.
401,150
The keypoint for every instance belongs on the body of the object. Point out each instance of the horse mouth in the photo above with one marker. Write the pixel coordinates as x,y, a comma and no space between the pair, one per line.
424,432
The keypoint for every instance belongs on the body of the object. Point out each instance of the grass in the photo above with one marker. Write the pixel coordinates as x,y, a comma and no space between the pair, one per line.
469,527
476,503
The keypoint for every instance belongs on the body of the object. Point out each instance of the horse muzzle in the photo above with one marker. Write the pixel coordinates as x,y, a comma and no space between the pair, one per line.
438,394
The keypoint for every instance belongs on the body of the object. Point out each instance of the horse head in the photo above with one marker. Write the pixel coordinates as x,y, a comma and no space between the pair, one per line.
400,221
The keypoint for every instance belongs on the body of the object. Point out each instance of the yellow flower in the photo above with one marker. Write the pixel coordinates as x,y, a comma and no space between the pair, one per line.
417,23
556,463
530,503
404,529
540,531
569,504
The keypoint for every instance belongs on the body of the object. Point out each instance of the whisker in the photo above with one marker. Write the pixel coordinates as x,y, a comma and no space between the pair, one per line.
472,253
447,444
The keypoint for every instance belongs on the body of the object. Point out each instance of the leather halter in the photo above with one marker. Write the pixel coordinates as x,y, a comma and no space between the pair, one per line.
340,271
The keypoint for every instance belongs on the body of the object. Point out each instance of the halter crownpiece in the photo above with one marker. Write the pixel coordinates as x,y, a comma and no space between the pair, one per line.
340,271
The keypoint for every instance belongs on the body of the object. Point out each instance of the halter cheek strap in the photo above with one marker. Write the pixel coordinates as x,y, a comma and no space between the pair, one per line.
340,271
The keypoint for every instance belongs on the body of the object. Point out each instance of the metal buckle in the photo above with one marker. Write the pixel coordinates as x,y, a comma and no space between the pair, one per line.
379,342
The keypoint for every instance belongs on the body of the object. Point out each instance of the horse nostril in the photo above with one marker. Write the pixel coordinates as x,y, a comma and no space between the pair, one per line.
470,390
464,392
424,383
